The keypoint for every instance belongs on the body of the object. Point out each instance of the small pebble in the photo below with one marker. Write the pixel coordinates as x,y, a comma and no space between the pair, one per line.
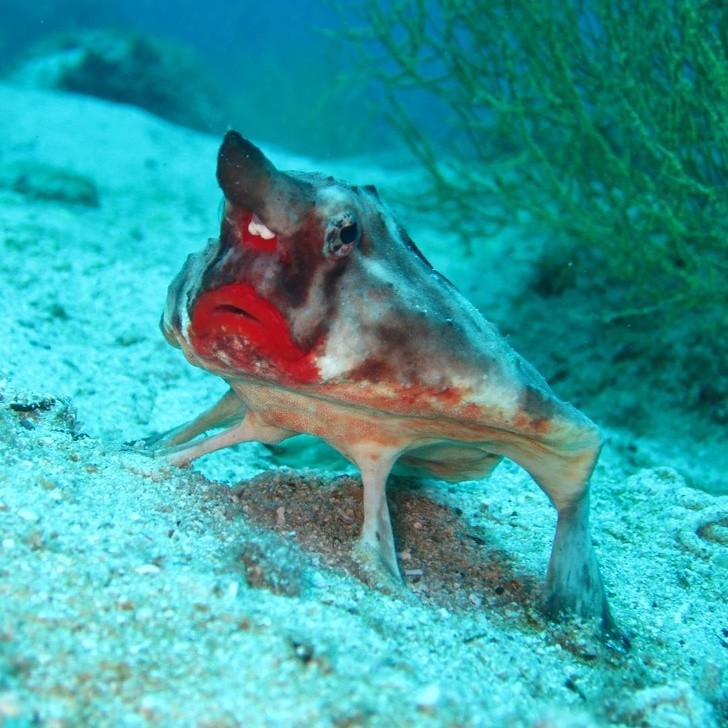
413,572
147,569
144,614
428,697
232,591
9,706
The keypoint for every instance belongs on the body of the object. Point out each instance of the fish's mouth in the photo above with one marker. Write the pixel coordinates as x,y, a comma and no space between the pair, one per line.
235,315
229,308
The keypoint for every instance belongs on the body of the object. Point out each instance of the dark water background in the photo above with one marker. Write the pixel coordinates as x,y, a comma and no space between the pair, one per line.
224,33
284,71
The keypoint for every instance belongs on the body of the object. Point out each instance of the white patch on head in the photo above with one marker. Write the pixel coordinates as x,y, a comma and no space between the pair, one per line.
390,221
184,320
341,354
377,271
257,228
332,199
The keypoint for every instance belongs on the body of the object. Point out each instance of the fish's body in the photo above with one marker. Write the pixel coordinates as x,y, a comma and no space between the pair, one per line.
324,318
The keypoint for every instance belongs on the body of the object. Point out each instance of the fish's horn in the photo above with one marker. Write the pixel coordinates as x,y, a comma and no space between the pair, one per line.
244,172
250,180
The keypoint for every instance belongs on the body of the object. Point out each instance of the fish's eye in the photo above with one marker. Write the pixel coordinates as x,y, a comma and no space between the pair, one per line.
349,233
342,234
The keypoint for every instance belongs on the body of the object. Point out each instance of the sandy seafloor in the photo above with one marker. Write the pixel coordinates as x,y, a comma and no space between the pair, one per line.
133,593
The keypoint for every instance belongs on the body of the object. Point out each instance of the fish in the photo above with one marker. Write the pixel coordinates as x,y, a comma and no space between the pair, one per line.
324,318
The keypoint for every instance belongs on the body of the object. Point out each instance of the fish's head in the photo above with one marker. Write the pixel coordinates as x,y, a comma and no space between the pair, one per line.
313,282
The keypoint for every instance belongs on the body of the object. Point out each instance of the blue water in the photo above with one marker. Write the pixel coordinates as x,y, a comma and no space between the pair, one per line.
220,31
283,71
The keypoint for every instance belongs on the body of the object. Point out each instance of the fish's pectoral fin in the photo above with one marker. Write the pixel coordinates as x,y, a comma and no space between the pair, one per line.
374,550
226,412
179,446
249,430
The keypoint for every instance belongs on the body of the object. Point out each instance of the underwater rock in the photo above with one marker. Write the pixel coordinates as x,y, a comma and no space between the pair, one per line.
44,182
31,409
126,67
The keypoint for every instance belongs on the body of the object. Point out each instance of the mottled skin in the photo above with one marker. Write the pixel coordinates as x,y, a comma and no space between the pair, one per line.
324,318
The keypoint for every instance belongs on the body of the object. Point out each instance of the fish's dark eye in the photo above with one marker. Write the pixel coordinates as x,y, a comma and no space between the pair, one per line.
349,233
342,234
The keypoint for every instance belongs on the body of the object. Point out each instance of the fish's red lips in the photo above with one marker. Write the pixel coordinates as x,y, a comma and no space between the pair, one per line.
234,313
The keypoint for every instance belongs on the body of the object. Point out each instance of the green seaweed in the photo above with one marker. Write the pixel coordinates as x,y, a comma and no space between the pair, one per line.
606,121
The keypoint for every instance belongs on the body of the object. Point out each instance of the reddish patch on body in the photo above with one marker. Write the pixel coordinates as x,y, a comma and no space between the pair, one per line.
409,400
240,219
251,331
411,396
525,423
